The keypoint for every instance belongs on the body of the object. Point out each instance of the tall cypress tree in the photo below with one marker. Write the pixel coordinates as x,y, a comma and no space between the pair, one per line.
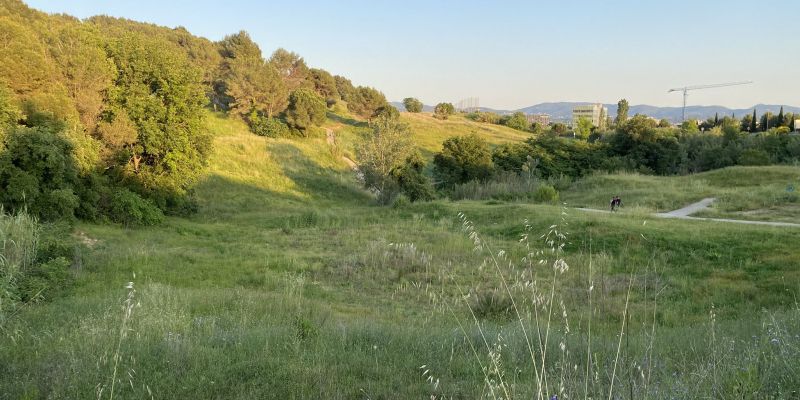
716,119
780,118
753,121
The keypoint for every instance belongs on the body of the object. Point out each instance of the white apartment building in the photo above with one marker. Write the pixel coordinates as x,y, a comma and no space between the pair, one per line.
597,113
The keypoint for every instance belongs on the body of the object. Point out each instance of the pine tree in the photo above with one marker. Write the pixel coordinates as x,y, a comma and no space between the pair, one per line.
716,119
780,118
753,121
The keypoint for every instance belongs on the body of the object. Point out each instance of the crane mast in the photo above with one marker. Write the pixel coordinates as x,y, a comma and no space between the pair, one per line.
686,90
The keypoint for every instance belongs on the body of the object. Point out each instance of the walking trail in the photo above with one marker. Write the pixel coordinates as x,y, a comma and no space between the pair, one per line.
331,138
686,212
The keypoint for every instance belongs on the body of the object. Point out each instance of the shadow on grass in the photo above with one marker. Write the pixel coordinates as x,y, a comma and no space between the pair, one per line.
347,121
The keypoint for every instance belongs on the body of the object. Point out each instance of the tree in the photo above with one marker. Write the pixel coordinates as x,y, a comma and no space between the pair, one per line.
344,87
443,110
324,85
383,151
386,112
248,83
664,123
780,118
753,122
365,101
517,121
163,96
716,119
412,105
463,159
559,128
38,173
411,180
306,109
622,112
583,128
291,68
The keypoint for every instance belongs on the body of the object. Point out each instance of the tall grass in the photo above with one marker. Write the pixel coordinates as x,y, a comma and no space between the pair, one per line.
19,237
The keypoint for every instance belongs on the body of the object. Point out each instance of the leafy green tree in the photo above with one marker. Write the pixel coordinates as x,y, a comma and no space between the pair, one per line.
324,85
463,159
664,123
291,68
344,87
412,181
583,128
517,121
443,110
689,126
306,109
622,112
383,151
365,101
163,96
412,105
559,128
38,173
536,128
248,82
386,112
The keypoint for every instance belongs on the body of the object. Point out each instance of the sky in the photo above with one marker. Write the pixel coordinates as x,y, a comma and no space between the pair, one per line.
512,54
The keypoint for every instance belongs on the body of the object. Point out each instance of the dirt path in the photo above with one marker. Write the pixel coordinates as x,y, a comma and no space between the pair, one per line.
330,136
686,212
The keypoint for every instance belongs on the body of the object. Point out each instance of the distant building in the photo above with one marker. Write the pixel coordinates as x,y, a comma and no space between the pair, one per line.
797,125
596,113
542,119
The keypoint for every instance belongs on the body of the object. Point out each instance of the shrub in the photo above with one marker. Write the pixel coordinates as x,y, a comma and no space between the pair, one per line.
412,105
306,109
753,157
462,159
130,209
443,110
545,194
269,127
38,173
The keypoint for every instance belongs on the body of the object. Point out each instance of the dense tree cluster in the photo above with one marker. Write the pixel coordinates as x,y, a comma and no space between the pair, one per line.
103,118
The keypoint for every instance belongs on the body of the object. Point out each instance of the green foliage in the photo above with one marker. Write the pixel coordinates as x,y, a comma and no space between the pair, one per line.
38,173
292,69
485,116
517,121
583,129
247,83
754,157
130,209
411,179
365,101
559,128
163,97
443,110
462,159
345,88
386,112
380,155
324,85
269,127
546,194
622,112
664,123
412,105
306,109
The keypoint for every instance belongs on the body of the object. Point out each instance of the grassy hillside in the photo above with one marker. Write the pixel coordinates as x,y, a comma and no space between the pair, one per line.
290,283
758,193
429,132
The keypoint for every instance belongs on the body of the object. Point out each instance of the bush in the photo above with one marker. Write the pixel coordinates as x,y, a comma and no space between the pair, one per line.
306,109
130,209
443,110
269,127
462,159
545,194
753,157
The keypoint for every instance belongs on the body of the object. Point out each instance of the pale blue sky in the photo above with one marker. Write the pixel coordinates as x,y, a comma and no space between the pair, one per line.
513,54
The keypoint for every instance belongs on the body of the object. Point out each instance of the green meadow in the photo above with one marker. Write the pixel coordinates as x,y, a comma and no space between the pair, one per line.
289,282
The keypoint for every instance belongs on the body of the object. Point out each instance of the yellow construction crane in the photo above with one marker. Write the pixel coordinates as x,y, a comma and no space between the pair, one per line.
686,90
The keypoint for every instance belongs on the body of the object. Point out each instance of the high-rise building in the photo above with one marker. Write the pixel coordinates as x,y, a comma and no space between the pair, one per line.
542,119
596,113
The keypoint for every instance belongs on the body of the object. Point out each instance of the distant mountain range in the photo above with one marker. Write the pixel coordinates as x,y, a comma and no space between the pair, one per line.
562,111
